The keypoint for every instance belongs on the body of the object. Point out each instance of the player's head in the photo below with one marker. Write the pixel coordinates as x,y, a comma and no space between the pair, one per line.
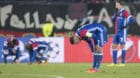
118,5
12,41
15,41
74,40
28,47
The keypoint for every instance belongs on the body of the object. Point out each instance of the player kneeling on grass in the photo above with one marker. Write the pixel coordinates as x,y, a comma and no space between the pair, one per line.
37,50
98,34
11,48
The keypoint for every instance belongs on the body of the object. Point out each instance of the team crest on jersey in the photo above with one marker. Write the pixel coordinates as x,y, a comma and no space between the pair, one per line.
121,14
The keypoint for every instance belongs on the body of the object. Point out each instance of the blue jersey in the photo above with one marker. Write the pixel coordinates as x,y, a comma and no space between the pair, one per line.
38,42
98,31
39,48
10,49
122,20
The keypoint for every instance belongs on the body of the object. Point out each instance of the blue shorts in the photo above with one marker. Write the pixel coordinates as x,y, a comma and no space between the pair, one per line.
10,52
119,39
101,39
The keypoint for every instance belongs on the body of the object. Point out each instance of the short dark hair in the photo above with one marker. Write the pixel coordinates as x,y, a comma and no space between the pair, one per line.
120,2
15,41
28,47
72,40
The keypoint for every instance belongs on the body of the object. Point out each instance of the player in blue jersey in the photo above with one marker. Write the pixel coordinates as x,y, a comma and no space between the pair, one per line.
37,49
11,48
89,32
122,20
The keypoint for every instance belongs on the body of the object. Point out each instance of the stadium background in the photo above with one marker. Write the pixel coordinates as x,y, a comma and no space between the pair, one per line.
24,19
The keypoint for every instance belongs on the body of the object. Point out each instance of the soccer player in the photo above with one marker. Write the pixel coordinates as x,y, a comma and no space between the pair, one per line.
37,49
98,34
122,20
10,48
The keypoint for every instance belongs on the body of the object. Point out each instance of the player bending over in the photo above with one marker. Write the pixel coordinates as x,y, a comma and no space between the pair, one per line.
37,50
11,48
98,34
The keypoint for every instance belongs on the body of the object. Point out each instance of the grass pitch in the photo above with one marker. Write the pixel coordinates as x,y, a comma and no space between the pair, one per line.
67,70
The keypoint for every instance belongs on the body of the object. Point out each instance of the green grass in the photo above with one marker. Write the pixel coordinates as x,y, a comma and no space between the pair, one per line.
67,70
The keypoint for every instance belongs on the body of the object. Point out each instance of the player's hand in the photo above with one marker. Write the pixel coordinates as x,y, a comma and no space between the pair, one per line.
14,51
98,48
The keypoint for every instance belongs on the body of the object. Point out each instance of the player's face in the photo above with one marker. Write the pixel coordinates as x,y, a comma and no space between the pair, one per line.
118,6
76,40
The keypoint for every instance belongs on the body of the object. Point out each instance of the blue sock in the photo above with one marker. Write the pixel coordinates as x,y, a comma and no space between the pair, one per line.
94,61
99,57
99,61
114,56
123,55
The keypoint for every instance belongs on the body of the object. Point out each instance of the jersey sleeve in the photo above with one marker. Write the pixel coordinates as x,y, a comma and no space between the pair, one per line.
83,33
34,45
125,14
114,17
90,44
129,18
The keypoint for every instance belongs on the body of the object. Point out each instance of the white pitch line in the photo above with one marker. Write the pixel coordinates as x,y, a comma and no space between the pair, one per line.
36,75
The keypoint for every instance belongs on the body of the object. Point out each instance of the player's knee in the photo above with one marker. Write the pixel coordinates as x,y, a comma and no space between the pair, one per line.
122,46
114,46
98,49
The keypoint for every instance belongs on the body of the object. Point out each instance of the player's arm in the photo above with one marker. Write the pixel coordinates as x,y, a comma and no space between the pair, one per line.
90,44
93,36
5,48
114,17
127,18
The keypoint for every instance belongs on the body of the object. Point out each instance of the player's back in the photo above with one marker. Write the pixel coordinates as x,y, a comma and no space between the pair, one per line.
88,27
40,42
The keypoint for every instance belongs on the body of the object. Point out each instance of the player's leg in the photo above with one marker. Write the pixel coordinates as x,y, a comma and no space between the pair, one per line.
5,53
123,56
5,58
32,56
114,53
114,50
17,54
99,56
41,55
122,42
97,59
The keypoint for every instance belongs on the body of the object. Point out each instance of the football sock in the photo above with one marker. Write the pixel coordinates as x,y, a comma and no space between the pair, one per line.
114,56
94,60
123,55
99,56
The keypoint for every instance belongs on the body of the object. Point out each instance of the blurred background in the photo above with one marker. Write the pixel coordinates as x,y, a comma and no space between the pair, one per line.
26,17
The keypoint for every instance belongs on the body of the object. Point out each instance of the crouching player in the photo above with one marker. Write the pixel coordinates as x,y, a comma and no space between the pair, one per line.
37,50
11,48
98,34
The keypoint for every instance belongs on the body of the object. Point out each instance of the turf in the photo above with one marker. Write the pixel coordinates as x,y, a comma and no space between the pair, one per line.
67,70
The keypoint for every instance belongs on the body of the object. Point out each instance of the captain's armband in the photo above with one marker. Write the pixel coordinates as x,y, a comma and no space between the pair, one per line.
88,34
